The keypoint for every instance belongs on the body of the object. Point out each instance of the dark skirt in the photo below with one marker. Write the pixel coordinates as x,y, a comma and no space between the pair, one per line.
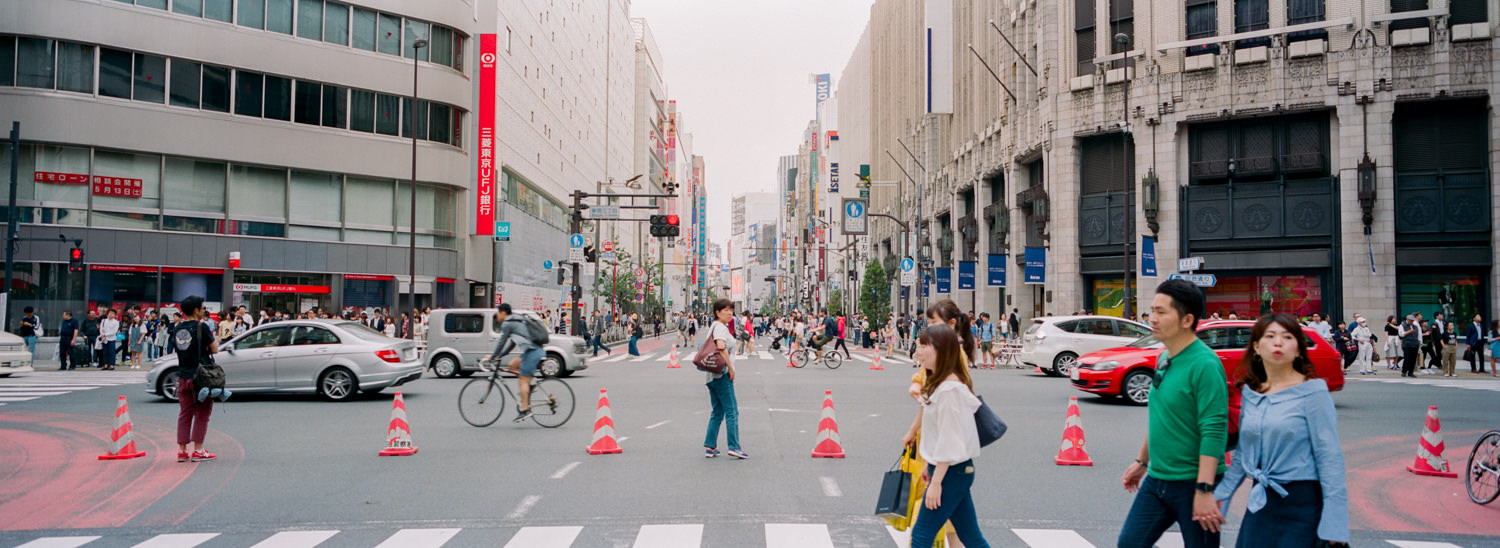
1285,522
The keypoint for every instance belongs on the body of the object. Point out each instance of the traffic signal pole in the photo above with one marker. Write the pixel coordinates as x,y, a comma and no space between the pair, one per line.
576,227
12,217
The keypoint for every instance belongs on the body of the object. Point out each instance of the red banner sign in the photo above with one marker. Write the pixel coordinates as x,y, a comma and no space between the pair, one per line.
484,216
117,186
64,178
121,268
281,288
368,277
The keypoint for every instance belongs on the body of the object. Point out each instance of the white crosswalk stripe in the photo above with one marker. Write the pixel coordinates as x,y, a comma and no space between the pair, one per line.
862,357
55,383
419,538
177,540
613,359
797,535
295,539
544,537
669,536
1492,385
58,542
1052,538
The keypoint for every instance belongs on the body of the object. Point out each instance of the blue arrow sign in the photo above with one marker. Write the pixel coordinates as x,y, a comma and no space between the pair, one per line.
907,264
1200,280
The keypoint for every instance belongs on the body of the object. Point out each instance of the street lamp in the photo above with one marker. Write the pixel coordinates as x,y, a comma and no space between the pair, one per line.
411,289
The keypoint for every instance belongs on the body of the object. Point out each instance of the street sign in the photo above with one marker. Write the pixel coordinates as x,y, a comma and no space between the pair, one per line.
502,231
1200,280
855,220
608,255
575,248
575,240
1190,264
907,265
603,212
640,297
547,264
609,247
639,272
640,286
908,272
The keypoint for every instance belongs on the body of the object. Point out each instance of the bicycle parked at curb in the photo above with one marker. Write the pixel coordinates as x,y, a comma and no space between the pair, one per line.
827,356
482,400
1482,478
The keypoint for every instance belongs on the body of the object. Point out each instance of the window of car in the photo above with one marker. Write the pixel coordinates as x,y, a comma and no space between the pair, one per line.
1225,338
1095,326
1066,327
310,334
1128,329
463,323
363,331
263,338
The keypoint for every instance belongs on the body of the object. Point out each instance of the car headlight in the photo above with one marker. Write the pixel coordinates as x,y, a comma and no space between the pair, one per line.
580,348
1106,365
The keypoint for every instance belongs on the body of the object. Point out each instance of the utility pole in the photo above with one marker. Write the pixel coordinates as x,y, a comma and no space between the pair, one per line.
1123,41
13,218
576,291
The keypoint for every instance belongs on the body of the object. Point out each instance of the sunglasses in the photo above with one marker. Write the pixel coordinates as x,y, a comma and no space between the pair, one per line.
1161,370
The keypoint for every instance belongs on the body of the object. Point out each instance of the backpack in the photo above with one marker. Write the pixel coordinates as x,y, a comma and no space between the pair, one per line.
536,332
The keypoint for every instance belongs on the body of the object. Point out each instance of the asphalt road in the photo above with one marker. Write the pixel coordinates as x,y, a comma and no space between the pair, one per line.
295,471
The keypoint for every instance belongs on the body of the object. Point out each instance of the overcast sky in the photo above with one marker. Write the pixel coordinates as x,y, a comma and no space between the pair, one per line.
738,71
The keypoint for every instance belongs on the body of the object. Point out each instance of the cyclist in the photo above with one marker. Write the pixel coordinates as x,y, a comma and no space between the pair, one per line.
513,337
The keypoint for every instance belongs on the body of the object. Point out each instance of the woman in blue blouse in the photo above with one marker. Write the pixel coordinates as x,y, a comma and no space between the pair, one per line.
1288,446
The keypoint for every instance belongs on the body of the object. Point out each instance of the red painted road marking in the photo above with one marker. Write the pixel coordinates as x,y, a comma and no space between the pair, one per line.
1383,496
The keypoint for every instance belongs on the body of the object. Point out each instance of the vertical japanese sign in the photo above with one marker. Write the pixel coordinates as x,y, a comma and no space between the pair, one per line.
484,192
1148,256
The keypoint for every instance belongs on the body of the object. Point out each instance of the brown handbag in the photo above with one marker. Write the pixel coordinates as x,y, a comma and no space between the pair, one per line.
709,358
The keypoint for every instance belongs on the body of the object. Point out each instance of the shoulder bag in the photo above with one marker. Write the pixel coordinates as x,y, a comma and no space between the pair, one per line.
709,358
209,374
990,426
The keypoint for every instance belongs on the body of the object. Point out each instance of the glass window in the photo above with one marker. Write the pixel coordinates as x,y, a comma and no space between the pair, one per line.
36,62
316,197
192,224
463,323
150,78
1095,327
306,334
49,288
442,124
193,185
188,7
187,79
218,10
63,160
1066,327
257,192
122,219
406,112
442,45
1128,329
431,214
278,98
7,60
389,35
75,67
119,290
279,16
215,88
1249,297
251,228
367,236
369,202
309,99
320,233
387,115
1218,338
252,14
158,4
310,19
114,73
336,24
363,35
415,30
361,110
263,338
335,106
249,93
134,169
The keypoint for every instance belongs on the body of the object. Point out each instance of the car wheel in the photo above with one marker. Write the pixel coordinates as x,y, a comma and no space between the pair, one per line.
445,366
1063,364
551,366
1136,388
337,384
167,385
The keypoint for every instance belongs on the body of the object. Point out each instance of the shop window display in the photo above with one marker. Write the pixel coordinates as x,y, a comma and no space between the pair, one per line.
1458,296
1108,297
1255,296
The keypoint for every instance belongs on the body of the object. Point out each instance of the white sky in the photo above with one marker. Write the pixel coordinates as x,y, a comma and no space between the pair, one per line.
738,71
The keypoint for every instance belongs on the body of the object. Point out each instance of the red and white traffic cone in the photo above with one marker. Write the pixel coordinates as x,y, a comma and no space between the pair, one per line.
398,436
1430,460
828,432
122,439
604,429
875,366
1072,453
672,359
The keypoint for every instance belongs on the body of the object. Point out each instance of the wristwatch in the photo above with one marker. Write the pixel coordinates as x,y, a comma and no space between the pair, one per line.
1205,487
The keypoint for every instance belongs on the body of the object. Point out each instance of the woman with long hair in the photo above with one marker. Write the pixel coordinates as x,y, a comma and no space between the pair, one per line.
726,410
950,441
1289,445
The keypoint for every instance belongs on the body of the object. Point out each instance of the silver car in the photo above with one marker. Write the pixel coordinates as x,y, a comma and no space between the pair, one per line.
336,359
458,337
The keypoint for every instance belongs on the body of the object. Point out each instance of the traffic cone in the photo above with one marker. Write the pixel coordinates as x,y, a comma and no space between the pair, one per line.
1072,453
876,365
121,439
1430,461
672,360
828,432
604,429
398,437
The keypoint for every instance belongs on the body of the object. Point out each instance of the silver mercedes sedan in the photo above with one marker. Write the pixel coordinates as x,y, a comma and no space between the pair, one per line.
336,359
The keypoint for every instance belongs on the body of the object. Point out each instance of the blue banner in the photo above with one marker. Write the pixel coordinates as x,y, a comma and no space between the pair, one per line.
944,280
997,270
1148,256
966,274
926,285
1036,265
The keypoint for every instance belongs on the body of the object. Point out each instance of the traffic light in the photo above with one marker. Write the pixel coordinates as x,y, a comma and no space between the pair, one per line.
560,274
75,260
665,226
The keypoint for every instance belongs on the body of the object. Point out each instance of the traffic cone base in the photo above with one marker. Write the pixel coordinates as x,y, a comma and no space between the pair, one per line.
1430,460
673,362
122,438
398,436
828,446
1072,452
604,429
875,366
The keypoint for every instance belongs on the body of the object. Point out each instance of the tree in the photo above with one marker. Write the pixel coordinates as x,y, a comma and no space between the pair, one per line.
836,302
768,307
875,296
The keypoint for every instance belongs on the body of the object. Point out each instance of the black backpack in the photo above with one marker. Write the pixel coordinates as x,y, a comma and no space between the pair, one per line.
536,332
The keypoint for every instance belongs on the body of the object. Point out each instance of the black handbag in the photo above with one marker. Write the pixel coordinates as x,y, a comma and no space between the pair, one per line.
208,374
895,493
990,426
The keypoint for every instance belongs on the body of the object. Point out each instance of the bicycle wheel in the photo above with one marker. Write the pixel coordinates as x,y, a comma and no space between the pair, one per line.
481,402
833,360
1483,477
801,357
551,402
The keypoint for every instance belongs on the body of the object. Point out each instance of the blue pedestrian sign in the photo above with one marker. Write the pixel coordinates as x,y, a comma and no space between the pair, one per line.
502,231
576,240
1200,280
855,220
907,264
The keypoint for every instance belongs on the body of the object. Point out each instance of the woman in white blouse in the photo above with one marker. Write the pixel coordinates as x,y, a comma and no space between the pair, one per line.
949,440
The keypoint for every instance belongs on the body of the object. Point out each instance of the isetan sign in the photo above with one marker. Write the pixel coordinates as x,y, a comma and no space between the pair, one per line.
484,191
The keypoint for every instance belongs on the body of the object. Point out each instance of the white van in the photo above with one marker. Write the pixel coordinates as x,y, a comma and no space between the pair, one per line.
458,337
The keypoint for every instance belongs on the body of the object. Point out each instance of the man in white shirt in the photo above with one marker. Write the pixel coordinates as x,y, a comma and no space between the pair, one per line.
109,330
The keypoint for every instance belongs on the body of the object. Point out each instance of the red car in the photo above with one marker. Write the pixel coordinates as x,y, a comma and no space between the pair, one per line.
1128,371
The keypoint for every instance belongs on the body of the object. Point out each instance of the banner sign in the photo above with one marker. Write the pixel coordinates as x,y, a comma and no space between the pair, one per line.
833,174
997,270
484,215
281,288
117,186
966,274
369,277
926,285
944,280
1148,256
54,177
1036,265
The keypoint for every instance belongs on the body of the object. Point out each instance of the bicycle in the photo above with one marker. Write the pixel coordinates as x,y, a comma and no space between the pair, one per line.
1484,464
482,400
828,357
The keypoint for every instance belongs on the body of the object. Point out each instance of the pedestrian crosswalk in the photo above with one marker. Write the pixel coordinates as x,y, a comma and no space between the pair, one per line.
1492,385
682,535
767,355
54,383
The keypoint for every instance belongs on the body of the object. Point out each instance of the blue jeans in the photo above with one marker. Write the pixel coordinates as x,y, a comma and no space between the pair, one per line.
598,344
30,345
107,358
1159,504
957,506
726,410
152,350
633,350
1285,522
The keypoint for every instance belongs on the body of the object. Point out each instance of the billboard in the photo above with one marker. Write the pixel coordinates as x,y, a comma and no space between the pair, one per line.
484,200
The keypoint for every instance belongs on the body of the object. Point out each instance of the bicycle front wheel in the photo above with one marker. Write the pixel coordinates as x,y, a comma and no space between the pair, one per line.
800,357
481,402
833,360
1483,476
551,402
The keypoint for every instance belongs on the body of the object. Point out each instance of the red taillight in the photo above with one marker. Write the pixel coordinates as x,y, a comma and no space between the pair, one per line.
389,356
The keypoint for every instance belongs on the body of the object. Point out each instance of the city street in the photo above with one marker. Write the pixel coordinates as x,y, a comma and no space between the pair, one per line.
296,471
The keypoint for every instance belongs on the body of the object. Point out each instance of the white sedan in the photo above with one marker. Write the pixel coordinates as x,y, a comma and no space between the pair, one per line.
14,358
1055,343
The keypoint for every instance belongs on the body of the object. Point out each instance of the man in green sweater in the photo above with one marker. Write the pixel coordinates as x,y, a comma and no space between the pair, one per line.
1188,414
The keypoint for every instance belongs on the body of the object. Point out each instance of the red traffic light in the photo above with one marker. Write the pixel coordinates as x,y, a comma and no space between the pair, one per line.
77,254
672,220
